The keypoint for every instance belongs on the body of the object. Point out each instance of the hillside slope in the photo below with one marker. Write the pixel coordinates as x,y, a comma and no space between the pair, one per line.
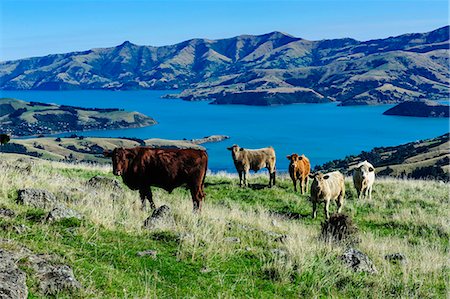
421,159
388,70
90,149
252,242
21,118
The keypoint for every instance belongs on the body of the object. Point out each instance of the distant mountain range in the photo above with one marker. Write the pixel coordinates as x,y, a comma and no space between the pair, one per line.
389,70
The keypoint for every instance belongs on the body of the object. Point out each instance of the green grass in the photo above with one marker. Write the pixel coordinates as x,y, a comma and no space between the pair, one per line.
403,216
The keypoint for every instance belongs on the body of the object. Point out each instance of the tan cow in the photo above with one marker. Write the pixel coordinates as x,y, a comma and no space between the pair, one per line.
256,159
327,187
363,179
299,169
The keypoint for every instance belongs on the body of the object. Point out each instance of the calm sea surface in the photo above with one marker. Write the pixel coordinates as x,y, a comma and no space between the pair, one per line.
321,131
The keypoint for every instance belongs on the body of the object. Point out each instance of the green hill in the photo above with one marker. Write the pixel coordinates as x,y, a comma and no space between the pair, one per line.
21,118
424,159
255,242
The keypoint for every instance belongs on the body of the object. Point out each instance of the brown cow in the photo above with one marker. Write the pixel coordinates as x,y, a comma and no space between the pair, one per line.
299,169
142,167
256,159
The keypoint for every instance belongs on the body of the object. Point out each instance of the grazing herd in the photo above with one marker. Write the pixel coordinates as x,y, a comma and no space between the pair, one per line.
143,167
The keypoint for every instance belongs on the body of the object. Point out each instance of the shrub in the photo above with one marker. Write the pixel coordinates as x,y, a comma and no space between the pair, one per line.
339,228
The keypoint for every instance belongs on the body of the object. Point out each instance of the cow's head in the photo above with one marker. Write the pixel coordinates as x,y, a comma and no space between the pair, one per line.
294,158
319,177
121,158
365,168
235,149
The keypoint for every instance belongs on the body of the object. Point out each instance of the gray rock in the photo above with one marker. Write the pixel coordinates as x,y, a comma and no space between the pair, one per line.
205,270
151,253
12,279
277,237
232,240
358,261
279,252
4,212
161,215
56,278
61,212
37,198
101,181
21,228
396,258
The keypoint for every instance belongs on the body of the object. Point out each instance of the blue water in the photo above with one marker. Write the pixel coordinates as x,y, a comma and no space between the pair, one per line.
321,131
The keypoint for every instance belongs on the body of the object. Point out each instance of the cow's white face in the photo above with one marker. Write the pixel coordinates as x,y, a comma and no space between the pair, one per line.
365,171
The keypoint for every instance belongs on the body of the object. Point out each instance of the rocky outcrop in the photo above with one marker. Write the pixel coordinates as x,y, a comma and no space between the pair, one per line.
419,109
52,277
101,181
61,212
12,279
358,261
160,217
37,198
210,139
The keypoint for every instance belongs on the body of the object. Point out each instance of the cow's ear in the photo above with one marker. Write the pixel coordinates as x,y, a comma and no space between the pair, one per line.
288,157
312,175
371,169
107,153
326,177
241,149
230,148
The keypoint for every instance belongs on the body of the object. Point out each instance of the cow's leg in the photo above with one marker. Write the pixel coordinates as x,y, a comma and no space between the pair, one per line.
294,181
271,177
240,178
370,193
146,194
143,195
245,174
340,200
327,209
339,205
305,184
197,197
314,213
150,199
358,192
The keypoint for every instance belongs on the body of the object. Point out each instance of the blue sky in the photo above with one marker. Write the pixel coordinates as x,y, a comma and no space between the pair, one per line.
37,28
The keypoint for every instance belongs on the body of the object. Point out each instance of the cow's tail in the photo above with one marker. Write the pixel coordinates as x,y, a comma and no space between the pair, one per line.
204,177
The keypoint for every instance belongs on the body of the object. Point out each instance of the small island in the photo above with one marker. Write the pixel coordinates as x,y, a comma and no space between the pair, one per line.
422,108
270,97
20,118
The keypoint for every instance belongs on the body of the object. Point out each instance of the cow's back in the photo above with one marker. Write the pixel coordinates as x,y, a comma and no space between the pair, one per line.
332,186
260,158
167,168
304,166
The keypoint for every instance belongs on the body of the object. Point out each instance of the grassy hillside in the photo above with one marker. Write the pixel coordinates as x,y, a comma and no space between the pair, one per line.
196,256
427,158
90,149
22,118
